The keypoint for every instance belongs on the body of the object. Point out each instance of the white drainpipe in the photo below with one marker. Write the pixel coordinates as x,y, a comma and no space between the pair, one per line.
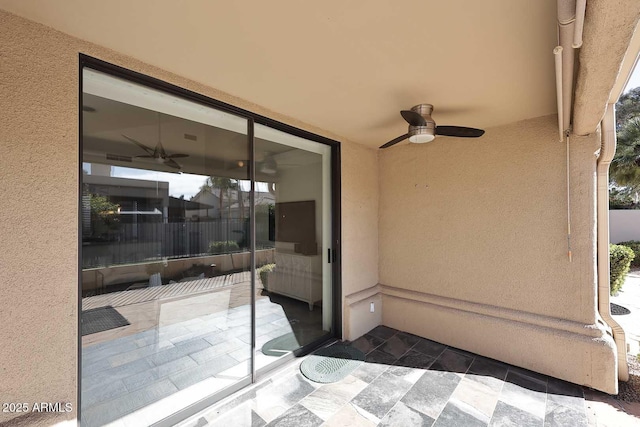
570,24
565,68
607,150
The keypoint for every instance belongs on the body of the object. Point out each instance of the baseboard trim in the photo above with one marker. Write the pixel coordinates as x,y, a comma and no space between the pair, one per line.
589,330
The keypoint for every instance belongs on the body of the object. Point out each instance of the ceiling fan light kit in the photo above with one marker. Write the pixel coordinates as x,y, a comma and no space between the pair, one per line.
423,129
421,135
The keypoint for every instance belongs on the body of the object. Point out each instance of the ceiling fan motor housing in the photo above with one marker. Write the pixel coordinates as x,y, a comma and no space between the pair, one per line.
422,134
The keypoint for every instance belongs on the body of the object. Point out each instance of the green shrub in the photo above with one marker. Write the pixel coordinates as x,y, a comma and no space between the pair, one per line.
223,247
634,245
619,260
264,273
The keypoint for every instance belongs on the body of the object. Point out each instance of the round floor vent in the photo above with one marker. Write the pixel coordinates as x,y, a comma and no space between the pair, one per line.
331,364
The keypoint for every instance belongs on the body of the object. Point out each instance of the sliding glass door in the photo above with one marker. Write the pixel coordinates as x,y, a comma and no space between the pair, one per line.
293,219
166,283
205,250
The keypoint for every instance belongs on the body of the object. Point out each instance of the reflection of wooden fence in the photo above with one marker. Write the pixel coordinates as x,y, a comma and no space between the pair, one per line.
133,243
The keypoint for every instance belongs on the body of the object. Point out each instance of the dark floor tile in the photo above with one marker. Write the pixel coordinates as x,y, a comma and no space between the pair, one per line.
457,414
383,393
451,361
367,343
402,415
295,417
564,388
508,416
525,381
531,374
408,339
395,347
431,392
415,359
430,348
368,372
489,367
377,356
461,351
383,332
563,416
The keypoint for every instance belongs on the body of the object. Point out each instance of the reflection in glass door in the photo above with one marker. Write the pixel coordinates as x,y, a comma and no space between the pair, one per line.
293,238
205,255
166,284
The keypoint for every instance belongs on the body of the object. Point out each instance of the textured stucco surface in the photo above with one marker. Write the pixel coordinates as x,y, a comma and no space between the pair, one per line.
360,237
360,217
485,221
39,167
608,29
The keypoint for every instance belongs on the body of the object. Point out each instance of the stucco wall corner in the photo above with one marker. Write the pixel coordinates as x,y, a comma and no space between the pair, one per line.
608,29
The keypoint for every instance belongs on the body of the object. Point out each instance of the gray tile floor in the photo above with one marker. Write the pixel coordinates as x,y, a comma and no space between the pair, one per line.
168,363
406,381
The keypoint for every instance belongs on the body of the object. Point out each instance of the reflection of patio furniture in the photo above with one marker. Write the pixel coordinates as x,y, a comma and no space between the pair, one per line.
298,276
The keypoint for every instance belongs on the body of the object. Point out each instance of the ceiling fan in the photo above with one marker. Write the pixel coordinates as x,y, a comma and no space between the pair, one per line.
423,129
158,153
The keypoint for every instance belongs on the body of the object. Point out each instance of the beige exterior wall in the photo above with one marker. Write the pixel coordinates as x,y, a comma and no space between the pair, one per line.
39,188
359,238
473,249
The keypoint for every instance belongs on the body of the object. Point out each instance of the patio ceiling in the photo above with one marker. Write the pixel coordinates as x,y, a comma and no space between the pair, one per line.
345,67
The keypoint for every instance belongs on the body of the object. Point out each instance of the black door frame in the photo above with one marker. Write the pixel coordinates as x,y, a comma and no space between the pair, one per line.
86,61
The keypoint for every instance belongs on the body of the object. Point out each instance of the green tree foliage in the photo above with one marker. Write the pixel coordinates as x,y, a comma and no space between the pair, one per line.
624,173
225,185
620,258
627,107
104,215
622,198
625,170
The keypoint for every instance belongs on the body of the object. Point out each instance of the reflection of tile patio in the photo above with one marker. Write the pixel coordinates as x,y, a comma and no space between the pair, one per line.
189,356
406,381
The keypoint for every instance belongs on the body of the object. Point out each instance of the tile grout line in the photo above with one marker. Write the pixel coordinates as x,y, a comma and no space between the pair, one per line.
457,385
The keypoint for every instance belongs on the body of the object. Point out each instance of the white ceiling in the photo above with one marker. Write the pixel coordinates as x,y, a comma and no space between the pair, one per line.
344,66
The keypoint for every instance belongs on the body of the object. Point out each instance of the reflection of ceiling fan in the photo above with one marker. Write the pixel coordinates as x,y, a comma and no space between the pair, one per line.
422,128
158,152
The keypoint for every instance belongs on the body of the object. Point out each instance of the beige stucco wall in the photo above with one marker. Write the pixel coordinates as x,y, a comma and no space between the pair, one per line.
473,248
360,237
39,188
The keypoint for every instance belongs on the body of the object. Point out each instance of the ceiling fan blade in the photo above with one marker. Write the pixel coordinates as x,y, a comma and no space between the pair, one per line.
175,156
139,144
413,118
459,131
395,141
172,163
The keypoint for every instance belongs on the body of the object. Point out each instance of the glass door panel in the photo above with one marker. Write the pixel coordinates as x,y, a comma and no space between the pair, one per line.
293,237
166,283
